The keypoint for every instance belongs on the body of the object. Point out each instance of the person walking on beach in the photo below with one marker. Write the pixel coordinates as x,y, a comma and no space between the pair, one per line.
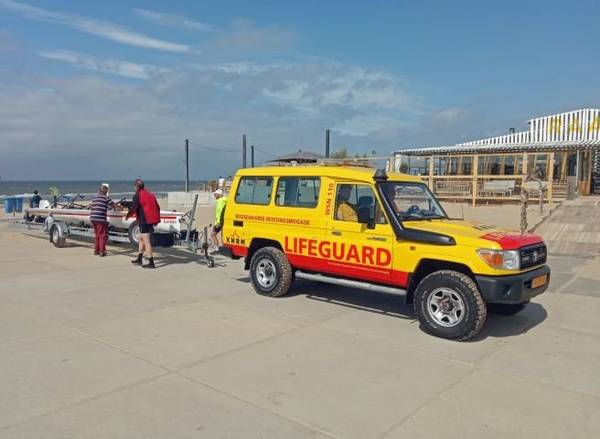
219,217
98,217
221,182
147,211
35,200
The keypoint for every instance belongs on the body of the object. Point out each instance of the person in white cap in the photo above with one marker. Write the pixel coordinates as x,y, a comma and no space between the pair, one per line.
219,217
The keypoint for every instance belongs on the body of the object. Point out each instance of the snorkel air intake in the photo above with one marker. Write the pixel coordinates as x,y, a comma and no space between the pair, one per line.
380,175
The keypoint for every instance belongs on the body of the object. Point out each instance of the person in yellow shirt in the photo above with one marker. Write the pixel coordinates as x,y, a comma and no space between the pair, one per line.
344,210
221,203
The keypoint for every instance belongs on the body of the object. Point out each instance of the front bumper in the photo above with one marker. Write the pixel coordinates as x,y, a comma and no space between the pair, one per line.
512,288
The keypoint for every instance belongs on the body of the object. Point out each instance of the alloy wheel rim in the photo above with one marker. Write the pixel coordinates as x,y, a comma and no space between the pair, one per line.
266,273
446,307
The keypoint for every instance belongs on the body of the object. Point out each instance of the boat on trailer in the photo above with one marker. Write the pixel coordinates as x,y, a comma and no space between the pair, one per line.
79,215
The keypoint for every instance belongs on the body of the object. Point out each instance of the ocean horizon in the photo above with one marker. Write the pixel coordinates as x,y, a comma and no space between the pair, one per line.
88,187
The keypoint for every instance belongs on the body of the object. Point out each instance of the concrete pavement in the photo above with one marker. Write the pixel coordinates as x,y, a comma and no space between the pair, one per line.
96,348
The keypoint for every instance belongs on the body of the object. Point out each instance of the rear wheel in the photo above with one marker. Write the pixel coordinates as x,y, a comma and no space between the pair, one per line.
448,304
271,272
506,309
133,233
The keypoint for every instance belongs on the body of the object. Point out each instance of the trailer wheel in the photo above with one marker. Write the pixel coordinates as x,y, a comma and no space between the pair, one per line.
448,304
210,261
271,272
55,237
133,233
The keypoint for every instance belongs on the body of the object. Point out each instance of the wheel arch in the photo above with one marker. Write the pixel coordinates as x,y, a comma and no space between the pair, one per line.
427,266
257,244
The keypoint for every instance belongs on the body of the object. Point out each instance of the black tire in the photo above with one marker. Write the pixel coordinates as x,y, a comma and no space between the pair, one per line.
133,233
506,309
210,261
448,304
271,272
55,238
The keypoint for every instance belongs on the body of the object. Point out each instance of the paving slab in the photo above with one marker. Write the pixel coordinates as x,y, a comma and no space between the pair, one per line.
168,407
488,404
584,286
185,334
558,357
575,313
349,385
558,281
46,373
17,322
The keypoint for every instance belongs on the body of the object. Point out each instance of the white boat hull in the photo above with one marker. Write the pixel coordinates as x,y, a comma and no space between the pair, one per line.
170,222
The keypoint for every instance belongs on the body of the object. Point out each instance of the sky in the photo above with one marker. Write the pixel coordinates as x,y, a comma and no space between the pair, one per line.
111,89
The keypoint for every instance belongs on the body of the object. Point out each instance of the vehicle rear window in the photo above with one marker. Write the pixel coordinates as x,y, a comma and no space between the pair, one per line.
298,191
254,190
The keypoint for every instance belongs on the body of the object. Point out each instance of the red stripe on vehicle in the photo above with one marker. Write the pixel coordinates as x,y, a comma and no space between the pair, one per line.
238,250
513,241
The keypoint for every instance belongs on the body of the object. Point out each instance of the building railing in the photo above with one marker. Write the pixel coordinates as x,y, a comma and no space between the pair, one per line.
491,187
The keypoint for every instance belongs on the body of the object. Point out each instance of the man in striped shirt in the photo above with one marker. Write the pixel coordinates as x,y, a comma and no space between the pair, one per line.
98,210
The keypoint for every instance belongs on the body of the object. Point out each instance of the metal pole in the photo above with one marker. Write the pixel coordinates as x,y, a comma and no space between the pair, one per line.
187,165
327,143
244,151
252,156
188,233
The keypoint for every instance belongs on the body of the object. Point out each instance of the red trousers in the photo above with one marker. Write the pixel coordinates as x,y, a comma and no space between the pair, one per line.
101,236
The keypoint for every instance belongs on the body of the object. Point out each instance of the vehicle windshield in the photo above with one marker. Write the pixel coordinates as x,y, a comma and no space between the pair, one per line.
412,201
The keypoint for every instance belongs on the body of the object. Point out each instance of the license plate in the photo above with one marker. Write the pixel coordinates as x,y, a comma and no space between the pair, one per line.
539,281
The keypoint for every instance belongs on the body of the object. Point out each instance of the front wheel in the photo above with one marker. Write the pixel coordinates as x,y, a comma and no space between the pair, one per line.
271,272
55,237
448,304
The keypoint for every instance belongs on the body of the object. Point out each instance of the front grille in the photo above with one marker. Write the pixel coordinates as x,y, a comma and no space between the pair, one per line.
532,255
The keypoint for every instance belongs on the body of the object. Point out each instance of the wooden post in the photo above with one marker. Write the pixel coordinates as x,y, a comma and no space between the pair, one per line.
431,174
550,176
475,173
563,166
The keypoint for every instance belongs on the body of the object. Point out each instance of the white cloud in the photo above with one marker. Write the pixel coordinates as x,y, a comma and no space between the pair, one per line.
113,130
175,20
90,26
243,35
104,65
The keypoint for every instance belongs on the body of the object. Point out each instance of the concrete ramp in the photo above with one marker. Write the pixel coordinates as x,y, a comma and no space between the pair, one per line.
573,228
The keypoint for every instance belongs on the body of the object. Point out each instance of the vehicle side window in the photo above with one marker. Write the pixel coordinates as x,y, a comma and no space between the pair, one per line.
298,191
351,197
254,190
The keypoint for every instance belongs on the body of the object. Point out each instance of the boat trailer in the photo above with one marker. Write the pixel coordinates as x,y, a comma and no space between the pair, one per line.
189,239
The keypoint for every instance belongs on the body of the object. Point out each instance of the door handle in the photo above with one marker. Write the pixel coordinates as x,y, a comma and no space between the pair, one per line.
377,238
336,233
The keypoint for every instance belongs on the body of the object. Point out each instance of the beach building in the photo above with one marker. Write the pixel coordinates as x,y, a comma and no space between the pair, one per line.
558,152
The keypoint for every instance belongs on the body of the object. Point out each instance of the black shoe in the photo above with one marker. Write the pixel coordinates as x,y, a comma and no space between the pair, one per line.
150,264
137,261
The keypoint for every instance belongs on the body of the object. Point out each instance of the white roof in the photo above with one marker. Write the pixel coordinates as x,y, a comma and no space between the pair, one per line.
575,129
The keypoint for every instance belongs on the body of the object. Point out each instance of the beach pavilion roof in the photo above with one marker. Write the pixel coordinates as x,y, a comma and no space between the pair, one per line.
579,129
502,148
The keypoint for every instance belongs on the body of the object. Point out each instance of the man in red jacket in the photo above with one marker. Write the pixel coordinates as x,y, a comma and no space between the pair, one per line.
147,211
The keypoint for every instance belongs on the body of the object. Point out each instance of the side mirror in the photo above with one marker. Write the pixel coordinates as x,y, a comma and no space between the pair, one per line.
365,216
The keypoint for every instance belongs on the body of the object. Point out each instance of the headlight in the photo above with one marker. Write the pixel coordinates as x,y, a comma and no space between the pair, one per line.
501,259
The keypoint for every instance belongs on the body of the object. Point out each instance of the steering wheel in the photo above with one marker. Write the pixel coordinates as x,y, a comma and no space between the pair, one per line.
414,209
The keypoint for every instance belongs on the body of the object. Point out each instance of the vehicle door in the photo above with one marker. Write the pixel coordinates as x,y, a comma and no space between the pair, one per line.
359,250
298,209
